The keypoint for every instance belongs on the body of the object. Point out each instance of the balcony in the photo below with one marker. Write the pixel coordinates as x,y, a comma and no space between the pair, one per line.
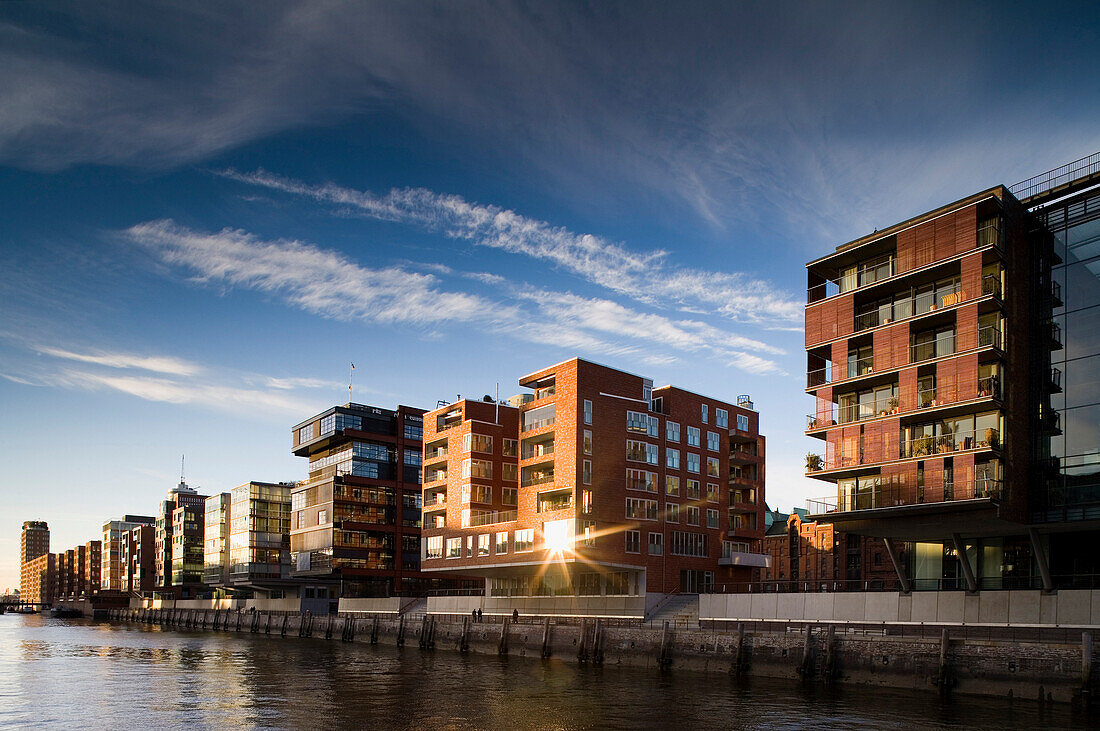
538,478
853,278
489,518
1055,336
531,451
555,500
542,393
945,443
745,558
435,455
991,285
537,424
990,335
1055,380
989,233
1056,294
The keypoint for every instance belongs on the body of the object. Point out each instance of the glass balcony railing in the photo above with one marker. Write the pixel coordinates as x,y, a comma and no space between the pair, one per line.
537,424
538,450
539,478
542,393
991,285
888,496
496,516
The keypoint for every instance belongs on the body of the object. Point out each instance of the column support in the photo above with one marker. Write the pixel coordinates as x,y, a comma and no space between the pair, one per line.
905,588
1041,559
964,561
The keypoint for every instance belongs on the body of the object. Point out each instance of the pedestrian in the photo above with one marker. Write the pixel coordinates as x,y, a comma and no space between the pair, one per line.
473,614
515,615
479,615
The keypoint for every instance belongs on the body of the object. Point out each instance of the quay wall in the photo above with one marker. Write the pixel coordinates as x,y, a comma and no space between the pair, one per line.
1045,671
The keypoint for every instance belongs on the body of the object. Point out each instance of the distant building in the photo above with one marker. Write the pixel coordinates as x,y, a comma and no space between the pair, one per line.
259,537
179,563
112,566
215,562
34,542
139,551
39,580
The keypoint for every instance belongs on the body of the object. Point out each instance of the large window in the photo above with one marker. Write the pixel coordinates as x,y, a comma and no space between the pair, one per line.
713,467
587,443
525,540
483,544
587,411
703,413
688,544
692,462
672,512
656,544
721,418
932,344
477,468
860,360
434,547
637,422
477,443
672,431
641,509
868,404
501,543
633,541
672,458
713,444
693,436
672,485
641,480
742,422
454,547
511,447
305,434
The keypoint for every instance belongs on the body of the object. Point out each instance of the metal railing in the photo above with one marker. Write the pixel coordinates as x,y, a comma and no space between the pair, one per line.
1056,292
865,274
888,496
435,454
542,393
1051,179
1056,335
961,441
991,284
538,450
990,335
539,479
989,233
1056,379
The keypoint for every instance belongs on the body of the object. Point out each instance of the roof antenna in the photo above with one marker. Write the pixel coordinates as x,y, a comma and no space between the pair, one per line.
182,458
351,373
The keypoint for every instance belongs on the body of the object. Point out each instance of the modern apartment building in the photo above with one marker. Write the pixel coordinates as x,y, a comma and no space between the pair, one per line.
187,545
216,525
166,545
943,422
112,567
93,565
356,518
259,538
77,571
139,551
596,485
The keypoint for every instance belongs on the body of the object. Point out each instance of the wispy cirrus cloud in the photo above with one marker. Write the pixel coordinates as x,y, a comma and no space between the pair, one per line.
331,285
647,276
157,364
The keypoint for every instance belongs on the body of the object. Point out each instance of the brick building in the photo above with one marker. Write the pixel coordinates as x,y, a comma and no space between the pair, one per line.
138,562
807,555
943,421
34,543
595,484
179,555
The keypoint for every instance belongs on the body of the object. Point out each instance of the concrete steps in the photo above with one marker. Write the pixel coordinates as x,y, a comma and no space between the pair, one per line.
681,611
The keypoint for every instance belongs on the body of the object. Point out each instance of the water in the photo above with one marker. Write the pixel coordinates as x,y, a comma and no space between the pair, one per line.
87,674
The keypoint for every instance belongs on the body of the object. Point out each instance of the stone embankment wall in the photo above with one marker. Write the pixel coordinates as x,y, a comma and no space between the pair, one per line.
1044,671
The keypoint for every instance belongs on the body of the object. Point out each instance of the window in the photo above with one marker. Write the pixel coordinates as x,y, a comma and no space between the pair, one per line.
472,493
305,434
932,344
655,544
587,441
692,515
654,427
743,422
672,458
703,413
860,360
509,496
454,548
721,418
712,441
525,540
483,544
637,422
587,531
651,454
414,432
477,468
636,451
586,501
672,485
434,547
712,492
688,544
672,431
693,436
509,472
587,411
586,472
672,512
641,509
641,480
322,517
469,546
633,541
692,462
477,443
712,518
413,457
502,542
511,447
713,468
693,489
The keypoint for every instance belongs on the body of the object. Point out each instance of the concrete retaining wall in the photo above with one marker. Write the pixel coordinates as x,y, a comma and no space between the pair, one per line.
1041,671
617,607
1067,607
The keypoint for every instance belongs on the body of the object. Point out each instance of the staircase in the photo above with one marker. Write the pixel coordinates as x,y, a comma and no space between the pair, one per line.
414,609
681,611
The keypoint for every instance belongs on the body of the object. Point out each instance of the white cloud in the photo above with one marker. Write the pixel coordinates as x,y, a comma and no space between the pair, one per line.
646,276
328,284
157,364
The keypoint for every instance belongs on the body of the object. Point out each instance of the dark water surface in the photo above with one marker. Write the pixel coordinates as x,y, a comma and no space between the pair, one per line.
81,674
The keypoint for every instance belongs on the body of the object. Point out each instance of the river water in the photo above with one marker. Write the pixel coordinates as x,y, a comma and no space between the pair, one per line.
97,674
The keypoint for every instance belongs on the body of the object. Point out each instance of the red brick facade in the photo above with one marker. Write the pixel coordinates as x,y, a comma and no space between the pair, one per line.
632,485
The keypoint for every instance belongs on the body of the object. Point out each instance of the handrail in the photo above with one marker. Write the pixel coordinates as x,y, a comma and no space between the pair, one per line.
1069,172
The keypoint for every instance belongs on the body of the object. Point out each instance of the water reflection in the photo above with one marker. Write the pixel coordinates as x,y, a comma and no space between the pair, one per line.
86,674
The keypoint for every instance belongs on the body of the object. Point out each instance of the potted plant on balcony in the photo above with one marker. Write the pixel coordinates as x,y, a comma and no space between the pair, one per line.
922,446
813,462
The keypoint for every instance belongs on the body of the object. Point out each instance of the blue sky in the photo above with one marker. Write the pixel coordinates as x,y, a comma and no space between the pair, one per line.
209,210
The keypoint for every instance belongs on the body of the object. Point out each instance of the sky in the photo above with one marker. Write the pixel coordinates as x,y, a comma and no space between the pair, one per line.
209,210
